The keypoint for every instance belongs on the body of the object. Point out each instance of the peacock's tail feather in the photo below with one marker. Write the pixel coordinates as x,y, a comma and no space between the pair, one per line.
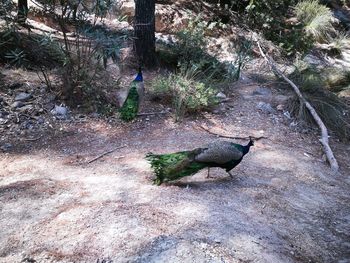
169,167
130,107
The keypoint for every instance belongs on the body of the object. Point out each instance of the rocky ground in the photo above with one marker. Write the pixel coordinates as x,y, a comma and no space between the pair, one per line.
283,206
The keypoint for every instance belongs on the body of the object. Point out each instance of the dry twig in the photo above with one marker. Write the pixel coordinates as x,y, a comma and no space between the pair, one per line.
324,132
152,113
232,137
32,139
105,153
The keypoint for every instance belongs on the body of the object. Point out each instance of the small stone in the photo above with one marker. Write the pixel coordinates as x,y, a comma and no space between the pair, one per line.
23,96
95,115
50,98
26,108
221,96
17,104
280,99
41,120
280,107
265,107
60,111
6,147
262,91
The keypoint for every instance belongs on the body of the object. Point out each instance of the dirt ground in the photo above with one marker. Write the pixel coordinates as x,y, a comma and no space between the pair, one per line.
283,206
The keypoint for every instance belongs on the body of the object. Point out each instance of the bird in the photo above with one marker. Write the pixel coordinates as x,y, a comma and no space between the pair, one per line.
172,166
131,105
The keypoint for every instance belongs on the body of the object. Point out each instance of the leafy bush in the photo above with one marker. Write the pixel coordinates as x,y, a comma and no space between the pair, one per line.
317,19
190,50
185,91
333,111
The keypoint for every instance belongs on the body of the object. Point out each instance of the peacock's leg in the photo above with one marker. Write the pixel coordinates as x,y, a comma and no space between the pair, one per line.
208,175
230,174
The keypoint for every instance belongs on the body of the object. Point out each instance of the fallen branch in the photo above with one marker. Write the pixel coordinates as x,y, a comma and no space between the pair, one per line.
324,132
32,139
232,137
105,153
152,113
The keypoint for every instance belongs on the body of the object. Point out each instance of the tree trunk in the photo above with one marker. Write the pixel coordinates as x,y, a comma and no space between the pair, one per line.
22,11
144,28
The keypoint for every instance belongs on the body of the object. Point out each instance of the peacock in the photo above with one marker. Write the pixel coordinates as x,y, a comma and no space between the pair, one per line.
131,105
173,166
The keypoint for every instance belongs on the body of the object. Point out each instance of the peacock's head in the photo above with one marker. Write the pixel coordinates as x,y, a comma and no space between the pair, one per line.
251,142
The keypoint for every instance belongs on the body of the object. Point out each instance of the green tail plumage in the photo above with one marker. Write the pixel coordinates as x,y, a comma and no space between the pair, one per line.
130,107
173,166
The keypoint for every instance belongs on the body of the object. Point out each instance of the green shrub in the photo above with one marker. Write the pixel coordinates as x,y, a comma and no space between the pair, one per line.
190,51
186,93
314,85
316,18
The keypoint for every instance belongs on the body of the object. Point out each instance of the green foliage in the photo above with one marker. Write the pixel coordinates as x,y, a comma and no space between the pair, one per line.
130,107
191,41
16,57
187,90
332,110
340,44
336,79
190,52
317,19
6,7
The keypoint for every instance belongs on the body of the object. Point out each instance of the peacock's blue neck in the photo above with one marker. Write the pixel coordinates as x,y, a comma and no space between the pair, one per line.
246,148
139,77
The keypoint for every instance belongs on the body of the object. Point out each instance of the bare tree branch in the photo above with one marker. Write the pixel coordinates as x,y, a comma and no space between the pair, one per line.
105,153
324,132
232,137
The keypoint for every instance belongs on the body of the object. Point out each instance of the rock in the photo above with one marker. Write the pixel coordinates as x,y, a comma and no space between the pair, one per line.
221,96
265,107
6,147
23,96
28,125
50,98
17,104
170,19
41,120
60,112
312,60
128,9
26,108
262,91
344,93
280,107
95,115
280,99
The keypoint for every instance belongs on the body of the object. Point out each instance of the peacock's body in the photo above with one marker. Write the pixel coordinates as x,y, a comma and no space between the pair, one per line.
131,105
224,154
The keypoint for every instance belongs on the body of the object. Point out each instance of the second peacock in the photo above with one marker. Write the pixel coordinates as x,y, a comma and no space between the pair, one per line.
173,166
131,105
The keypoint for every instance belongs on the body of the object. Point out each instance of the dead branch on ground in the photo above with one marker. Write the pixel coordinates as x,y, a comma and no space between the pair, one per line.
231,137
105,153
152,113
324,132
